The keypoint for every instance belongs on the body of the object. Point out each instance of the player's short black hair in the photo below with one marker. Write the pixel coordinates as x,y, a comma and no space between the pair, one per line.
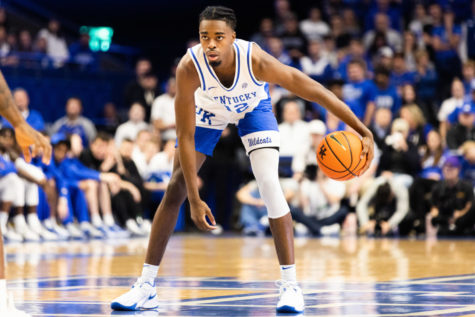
219,13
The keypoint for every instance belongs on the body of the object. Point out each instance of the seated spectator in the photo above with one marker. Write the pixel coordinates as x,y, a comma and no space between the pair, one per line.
74,123
91,183
468,72
276,49
408,95
317,130
266,30
400,75
381,23
445,42
453,209
381,126
468,165
399,158
339,32
314,27
4,46
355,52
426,85
110,119
417,124
390,9
131,128
57,48
293,39
316,65
8,194
464,129
320,199
140,154
291,129
145,93
33,117
433,157
82,55
385,94
134,91
163,112
351,23
26,190
382,207
419,20
253,213
449,105
357,93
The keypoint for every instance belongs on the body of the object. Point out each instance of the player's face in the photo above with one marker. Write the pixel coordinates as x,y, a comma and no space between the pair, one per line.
216,38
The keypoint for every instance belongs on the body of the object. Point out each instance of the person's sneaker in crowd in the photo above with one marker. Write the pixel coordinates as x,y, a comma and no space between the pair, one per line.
301,230
36,226
331,230
60,231
290,297
90,231
134,229
10,235
119,232
141,296
9,310
28,234
74,232
146,226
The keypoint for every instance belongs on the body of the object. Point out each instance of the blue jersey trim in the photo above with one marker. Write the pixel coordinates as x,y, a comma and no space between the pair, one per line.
249,65
236,79
199,69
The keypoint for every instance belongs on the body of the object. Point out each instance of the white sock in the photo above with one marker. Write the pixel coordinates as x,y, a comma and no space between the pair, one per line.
149,272
96,220
109,220
3,293
288,273
3,221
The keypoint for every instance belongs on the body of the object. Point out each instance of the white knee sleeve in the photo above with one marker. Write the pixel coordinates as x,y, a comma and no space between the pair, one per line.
19,187
31,194
7,190
265,166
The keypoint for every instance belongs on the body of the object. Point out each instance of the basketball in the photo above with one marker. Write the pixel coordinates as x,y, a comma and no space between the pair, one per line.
338,155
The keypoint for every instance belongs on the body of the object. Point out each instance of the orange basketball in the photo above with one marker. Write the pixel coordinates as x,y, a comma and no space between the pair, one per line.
338,155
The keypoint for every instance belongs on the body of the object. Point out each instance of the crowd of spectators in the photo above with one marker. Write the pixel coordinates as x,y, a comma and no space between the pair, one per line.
406,69
43,48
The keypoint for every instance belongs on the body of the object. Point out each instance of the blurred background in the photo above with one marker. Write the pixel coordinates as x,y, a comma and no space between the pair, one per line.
98,78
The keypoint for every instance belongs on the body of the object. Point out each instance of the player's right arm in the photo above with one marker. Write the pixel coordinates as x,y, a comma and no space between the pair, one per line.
187,81
26,136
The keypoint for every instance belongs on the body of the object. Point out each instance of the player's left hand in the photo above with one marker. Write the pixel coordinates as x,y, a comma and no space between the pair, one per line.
32,143
368,150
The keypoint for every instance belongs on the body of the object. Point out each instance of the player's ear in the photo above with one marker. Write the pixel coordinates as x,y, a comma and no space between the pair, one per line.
234,35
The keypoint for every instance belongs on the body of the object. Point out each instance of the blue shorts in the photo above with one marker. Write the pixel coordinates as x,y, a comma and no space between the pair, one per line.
257,129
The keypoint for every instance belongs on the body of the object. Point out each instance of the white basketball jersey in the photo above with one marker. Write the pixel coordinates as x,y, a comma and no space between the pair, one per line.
228,104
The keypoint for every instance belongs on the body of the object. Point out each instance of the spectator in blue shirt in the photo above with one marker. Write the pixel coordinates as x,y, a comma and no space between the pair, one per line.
356,51
425,80
384,93
470,40
445,42
400,75
390,8
81,55
33,117
315,65
357,93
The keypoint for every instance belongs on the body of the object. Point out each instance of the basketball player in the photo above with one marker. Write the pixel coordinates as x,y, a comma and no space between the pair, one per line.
224,80
26,137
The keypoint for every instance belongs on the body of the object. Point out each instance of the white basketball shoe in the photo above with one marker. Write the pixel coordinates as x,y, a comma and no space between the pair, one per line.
290,298
142,296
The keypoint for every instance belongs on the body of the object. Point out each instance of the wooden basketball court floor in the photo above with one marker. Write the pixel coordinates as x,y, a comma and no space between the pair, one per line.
204,275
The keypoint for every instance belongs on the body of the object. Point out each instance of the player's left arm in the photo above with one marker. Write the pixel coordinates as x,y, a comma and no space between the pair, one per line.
26,136
267,68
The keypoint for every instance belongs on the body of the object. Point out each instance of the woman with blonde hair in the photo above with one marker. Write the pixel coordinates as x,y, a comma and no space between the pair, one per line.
417,124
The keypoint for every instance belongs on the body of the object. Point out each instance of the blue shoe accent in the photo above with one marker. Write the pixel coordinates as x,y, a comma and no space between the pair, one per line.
288,309
118,306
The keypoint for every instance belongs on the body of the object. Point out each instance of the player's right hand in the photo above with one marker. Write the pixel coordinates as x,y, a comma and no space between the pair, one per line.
30,139
199,211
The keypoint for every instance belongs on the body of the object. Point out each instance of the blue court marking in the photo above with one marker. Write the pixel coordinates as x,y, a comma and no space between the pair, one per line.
322,298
